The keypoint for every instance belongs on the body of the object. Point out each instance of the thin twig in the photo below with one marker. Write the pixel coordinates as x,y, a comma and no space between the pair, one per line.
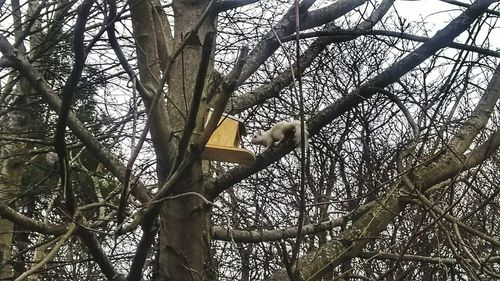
50,255
300,221
196,99
67,95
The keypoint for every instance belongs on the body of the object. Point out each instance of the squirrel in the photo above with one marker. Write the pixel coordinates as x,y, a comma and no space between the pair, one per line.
278,133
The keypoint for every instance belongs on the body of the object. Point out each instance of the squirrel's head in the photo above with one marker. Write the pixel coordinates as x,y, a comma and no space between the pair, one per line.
255,137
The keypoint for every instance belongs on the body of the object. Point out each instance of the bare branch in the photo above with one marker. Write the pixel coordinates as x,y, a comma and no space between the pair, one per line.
101,152
196,99
469,130
461,4
28,223
67,99
347,102
257,236
224,5
50,255
416,258
402,107
340,35
99,255
272,88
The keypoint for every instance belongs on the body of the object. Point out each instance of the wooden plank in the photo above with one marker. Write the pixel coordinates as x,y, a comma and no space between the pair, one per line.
226,134
228,154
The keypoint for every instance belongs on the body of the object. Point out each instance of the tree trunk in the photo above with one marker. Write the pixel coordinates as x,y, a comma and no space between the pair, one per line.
13,156
184,221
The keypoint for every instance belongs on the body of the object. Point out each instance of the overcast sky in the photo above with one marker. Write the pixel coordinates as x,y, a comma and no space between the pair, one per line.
437,14
435,10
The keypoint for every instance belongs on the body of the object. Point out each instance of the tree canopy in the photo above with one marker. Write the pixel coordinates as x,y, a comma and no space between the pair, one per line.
105,132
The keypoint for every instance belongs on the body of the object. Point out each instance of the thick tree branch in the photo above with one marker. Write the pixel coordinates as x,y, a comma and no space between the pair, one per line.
67,95
340,35
164,37
99,255
50,255
269,43
257,236
28,223
432,205
351,100
462,4
141,254
453,157
484,151
272,88
469,130
401,67
363,230
328,13
148,215
450,162
115,45
144,93
416,258
103,154
224,5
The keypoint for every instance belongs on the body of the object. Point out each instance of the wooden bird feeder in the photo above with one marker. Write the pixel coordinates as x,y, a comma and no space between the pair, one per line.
224,144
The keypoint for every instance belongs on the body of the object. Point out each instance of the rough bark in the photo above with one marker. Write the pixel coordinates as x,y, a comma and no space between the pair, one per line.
369,225
357,96
183,239
150,74
105,156
183,248
13,155
184,221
